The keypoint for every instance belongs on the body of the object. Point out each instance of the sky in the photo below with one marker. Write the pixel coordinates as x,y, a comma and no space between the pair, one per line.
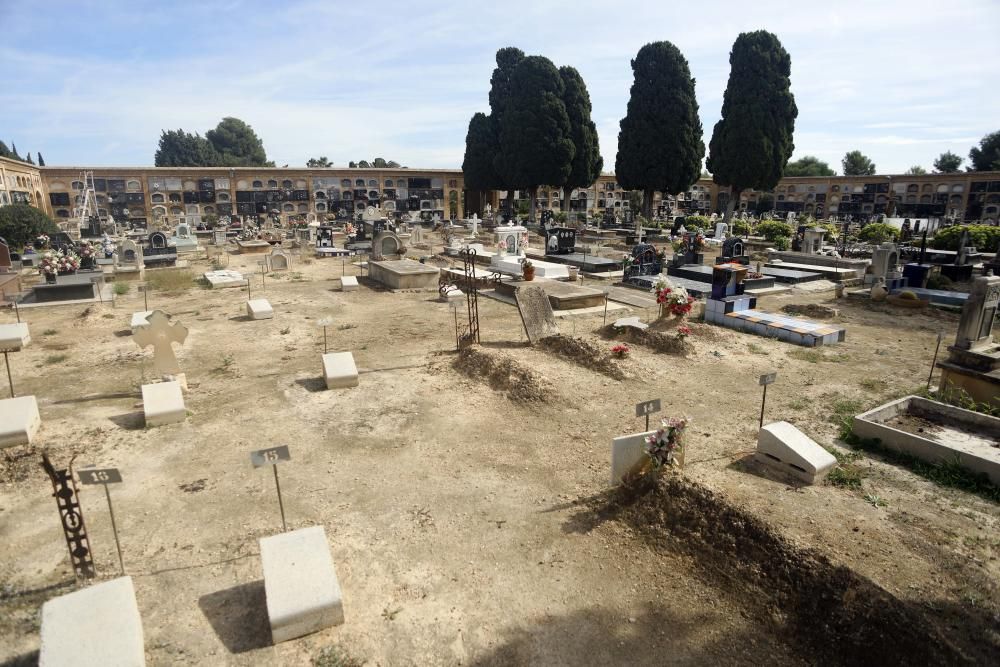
95,82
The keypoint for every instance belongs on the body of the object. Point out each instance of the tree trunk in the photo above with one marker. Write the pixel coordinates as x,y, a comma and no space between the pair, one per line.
533,194
647,203
734,196
565,200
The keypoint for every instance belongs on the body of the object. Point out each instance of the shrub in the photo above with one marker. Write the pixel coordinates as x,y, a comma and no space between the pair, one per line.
121,288
831,230
939,281
170,280
983,237
773,229
741,227
878,232
781,243
21,223
695,223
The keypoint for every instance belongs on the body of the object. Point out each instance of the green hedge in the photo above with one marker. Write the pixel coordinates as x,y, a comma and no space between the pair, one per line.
983,237
20,224
878,232
773,229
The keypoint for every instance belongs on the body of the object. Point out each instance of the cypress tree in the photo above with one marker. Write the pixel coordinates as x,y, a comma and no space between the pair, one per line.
13,151
29,160
41,160
4,151
752,141
536,147
587,161
660,145
480,147
508,58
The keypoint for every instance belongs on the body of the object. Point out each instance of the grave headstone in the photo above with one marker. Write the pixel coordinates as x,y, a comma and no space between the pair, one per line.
536,312
161,335
278,260
812,240
975,328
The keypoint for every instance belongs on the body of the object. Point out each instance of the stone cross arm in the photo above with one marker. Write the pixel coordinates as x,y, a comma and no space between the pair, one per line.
161,334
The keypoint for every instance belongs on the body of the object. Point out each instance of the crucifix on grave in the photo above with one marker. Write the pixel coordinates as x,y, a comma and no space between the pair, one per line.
161,335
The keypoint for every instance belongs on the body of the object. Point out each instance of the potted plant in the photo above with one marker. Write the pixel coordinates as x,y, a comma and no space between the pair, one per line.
527,269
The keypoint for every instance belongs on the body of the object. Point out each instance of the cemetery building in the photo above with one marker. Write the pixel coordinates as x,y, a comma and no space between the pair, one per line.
170,193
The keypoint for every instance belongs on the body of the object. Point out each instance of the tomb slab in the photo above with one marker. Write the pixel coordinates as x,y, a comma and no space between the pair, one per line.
339,370
259,309
787,449
19,421
163,403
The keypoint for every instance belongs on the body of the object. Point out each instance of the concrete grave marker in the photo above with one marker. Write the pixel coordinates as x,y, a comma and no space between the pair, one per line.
300,583
348,284
536,312
279,260
161,334
19,421
628,455
96,626
163,403
259,309
339,370
787,449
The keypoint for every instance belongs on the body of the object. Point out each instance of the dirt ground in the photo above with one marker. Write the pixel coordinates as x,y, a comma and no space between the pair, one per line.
468,513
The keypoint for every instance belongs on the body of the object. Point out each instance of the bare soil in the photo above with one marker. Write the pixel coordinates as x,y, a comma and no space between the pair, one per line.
465,497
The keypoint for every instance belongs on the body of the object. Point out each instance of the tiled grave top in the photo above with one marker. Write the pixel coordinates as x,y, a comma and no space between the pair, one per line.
790,276
937,295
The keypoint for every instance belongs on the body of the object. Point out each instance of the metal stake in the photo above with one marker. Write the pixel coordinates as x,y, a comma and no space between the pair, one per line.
17,311
145,297
9,378
248,289
281,505
762,401
606,313
929,375
647,421
114,529
325,350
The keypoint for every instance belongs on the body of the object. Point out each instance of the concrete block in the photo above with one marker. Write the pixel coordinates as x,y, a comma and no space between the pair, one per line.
348,284
98,626
300,582
13,337
163,403
19,421
786,448
259,309
140,319
339,370
628,455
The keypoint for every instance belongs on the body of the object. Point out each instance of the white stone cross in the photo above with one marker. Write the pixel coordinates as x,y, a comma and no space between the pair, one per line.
160,334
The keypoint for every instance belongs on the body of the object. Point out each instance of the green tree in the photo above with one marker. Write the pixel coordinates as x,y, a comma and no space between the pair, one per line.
178,148
318,163
809,165
587,161
364,164
21,223
773,229
855,163
508,58
28,159
480,147
752,141
41,160
237,144
660,144
4,151
877,233
916,170
948,163
352,164
13,152
985,157
536,145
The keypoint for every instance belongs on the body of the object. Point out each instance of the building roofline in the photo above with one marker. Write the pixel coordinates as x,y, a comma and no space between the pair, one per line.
401,170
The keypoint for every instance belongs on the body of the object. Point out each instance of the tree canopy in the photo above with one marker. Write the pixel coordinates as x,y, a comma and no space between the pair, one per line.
916,170
11,154
948,163
237,144
986,156
855,163
753,140
480,147
660,144
377,163
809,165
318,163
587,161
21,223
178,148
508,58
536,146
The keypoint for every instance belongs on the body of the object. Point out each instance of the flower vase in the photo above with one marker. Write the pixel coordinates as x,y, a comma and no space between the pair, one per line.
50,278
87,263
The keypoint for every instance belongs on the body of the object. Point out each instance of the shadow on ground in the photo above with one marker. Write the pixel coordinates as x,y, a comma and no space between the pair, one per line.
239,616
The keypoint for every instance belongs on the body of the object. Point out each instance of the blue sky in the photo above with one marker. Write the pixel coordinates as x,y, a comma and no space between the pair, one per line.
94,82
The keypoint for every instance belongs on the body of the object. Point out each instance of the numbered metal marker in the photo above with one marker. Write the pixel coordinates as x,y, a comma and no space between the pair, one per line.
765,379
647,408
105,476
266,457
272,457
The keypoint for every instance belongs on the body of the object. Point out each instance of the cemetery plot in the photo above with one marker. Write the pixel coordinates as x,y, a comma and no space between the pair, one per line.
469,489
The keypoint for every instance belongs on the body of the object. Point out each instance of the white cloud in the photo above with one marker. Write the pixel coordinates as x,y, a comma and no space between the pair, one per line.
353,81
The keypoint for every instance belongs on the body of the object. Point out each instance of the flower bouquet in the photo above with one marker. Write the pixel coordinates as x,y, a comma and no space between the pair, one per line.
87,254
54,263
663,446
683,331
621,350
41,242
673,298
